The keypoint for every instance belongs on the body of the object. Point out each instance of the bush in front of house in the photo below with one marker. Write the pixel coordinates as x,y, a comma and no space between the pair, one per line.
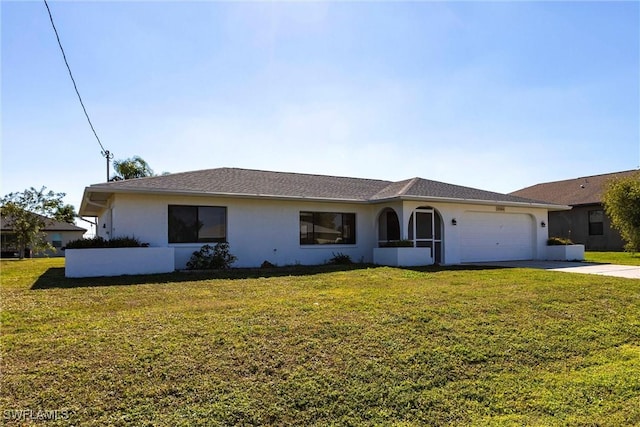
100,242
210,257
397,244
340,259
559,241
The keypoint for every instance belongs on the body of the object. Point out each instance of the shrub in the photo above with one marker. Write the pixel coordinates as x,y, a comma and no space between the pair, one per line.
559,241
267,264
210,257
340,259
100,242
621,200
398,244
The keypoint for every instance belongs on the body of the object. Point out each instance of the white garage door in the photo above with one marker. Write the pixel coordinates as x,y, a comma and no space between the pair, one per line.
488,236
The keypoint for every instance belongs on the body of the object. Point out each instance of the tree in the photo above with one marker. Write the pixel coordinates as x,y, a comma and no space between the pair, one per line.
135,167
621,201
66,213
28,212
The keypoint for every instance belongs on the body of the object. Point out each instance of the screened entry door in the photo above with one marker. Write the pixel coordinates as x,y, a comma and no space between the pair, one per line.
426,231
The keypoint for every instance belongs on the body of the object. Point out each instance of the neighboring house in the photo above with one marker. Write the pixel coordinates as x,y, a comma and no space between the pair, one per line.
57,233
586,223
292,218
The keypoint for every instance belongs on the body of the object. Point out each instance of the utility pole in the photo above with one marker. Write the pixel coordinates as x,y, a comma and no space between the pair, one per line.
108,155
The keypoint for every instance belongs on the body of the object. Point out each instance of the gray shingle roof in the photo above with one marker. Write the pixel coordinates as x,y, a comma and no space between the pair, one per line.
419,187
577,191
50,225
246,182
254,182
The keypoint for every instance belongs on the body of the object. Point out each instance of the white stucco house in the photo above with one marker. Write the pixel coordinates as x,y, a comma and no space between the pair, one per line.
293,218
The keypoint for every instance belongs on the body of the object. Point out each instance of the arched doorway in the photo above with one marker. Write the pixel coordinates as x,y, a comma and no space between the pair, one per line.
425,229
388,227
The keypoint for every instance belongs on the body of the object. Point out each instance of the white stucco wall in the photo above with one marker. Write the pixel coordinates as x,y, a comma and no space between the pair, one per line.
257,231
118,261
452,252
268,230
403,257
565,253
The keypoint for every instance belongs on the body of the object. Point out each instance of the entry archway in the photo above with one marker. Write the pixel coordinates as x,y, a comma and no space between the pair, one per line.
388,227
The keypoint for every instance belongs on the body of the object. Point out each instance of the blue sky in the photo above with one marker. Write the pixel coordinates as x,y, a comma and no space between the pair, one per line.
493,95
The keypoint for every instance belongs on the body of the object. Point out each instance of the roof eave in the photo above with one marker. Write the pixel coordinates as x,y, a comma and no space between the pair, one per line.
548,206
86,211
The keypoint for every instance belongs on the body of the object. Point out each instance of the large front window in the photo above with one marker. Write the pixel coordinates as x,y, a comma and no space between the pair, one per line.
197,224
327,228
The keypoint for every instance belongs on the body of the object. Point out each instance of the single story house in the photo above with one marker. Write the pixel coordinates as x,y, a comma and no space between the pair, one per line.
57,234
587,222
294,218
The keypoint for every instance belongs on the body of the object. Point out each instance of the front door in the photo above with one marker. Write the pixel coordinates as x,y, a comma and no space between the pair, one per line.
426,231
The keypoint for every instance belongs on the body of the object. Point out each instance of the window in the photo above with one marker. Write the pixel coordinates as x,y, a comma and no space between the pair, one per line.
195,224
56,240
327,228
393,226
596,226
388,227
8,242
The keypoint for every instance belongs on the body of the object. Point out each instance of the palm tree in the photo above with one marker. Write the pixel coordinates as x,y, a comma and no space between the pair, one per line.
135,167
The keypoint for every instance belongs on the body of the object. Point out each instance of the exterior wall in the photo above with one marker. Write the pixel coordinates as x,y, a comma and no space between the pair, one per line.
574,224
565,253
257,231
268,230
104,227
403,257
118,261
452,234
451,250
65,236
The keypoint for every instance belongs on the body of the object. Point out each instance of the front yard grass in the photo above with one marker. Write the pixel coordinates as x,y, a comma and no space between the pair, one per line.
365,346
622,258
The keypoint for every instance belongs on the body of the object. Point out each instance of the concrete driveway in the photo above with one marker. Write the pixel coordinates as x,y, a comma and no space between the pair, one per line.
626,271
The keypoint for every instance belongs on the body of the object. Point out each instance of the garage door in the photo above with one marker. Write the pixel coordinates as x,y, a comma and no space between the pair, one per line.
488,236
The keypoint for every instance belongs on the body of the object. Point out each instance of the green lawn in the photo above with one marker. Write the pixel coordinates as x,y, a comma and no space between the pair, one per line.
364,346
623,258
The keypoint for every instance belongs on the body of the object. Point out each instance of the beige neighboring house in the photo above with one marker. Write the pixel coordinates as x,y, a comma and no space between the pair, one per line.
587,222
58,234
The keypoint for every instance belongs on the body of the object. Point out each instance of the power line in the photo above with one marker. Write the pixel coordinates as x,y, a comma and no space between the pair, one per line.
104,152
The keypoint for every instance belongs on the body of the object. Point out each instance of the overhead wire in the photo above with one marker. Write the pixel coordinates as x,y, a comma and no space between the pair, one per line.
104,152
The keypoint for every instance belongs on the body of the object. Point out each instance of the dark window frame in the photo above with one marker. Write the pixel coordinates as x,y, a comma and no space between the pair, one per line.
596,228
191,231
312,236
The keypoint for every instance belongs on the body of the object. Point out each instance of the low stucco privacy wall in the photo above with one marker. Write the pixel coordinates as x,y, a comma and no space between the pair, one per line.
565,253
118,261
402,257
